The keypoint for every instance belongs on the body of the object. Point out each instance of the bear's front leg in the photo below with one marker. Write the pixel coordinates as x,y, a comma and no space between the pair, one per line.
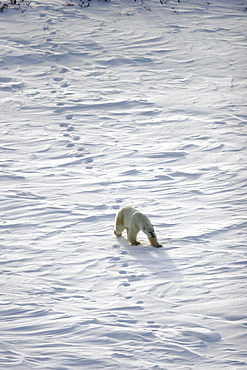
132,233
154,242
135,242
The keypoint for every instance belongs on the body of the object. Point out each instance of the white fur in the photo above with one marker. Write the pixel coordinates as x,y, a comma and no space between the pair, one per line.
133,221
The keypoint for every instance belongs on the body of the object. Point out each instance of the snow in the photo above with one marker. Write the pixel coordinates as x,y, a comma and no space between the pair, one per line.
115,105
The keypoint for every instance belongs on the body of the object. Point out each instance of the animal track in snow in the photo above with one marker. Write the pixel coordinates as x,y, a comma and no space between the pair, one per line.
126,284
63,70
65,84
69,116
80,152
116,258
122,272
76,137
58,79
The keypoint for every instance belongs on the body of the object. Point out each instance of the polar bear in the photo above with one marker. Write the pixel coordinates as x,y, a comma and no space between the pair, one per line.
133,221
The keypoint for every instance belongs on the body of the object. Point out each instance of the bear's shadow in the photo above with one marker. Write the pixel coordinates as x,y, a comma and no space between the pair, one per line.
155,259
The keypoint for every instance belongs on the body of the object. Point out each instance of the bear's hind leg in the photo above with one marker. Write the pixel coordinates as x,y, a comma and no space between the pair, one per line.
119,228
117,233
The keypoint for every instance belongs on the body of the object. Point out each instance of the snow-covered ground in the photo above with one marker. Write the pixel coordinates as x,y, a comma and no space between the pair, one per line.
115,105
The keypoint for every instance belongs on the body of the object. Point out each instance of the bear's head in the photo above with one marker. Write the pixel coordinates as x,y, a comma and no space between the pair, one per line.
149,230
144,224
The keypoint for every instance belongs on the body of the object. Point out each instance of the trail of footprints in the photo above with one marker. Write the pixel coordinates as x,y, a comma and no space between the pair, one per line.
187,334
73,142
127,291
71,136
125,287
59,79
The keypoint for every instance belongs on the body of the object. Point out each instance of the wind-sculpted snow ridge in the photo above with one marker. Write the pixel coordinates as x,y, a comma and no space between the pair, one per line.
114,105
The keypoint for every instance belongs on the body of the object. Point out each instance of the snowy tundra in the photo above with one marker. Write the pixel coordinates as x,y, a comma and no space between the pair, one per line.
118,103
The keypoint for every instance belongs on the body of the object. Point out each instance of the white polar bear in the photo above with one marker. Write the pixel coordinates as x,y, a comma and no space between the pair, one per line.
133,221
